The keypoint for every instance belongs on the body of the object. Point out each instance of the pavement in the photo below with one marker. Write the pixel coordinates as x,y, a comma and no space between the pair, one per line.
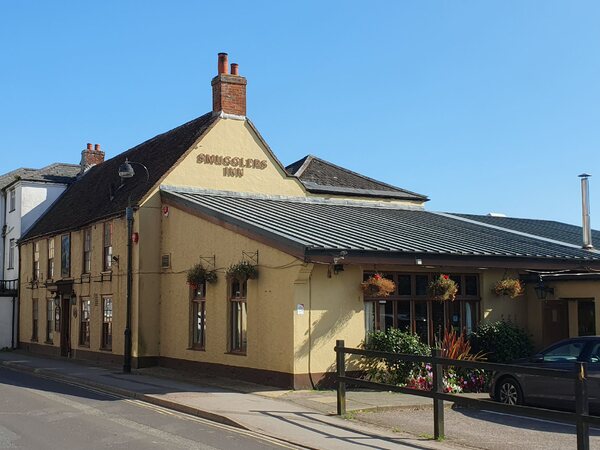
302,418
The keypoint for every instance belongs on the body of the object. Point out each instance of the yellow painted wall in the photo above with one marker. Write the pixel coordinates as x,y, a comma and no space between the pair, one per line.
94,289
498,307
270,297
234,138
334,309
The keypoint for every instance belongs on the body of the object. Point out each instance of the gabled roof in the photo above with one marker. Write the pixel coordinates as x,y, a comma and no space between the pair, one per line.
60,173
320,176
9,178
99,194
316,227
548,229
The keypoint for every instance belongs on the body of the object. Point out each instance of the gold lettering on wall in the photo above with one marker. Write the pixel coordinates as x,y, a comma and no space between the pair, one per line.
234,165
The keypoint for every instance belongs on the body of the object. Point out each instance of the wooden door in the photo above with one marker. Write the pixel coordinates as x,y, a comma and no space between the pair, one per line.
556,321
65,326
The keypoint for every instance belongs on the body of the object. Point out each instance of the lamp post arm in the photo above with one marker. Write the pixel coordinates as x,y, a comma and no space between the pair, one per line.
145,168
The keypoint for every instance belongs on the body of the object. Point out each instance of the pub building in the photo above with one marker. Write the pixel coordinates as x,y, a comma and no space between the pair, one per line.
284,251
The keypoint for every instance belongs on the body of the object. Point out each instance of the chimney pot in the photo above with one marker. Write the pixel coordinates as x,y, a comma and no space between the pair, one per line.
229,91
97,147
223,65
89,146
91,156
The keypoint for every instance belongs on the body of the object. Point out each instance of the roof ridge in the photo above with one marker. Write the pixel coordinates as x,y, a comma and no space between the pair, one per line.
509,230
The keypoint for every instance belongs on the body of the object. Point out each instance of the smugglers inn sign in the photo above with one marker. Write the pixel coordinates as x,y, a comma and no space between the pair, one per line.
233,166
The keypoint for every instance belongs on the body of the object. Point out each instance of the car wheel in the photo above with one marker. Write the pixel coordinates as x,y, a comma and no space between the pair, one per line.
509,392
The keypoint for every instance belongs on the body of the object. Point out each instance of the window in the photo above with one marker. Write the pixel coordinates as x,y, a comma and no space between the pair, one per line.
107,245
13,200
84,322
65,255
87,250
49,320
564,352
198,331
34,320
36,261
107,313
238,316
51,258
586,318
11,254
410,309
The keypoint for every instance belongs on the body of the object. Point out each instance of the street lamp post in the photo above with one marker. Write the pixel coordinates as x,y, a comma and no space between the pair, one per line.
126,171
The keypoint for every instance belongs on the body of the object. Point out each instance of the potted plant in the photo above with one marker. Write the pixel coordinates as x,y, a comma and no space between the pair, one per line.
242,271
198,274
442,288
509,286
378,286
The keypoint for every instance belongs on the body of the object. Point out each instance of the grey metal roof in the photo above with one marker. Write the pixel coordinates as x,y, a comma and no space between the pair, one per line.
10,177
550,229
323,177
320,225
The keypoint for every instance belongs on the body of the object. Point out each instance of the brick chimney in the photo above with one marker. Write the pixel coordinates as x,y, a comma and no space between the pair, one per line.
229,89
91,156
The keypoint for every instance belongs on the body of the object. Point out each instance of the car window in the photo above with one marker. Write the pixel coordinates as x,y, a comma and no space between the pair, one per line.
595,353
564,352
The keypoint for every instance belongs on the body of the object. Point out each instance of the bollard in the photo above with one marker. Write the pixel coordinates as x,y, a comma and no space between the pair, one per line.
582,406
438,405
341,372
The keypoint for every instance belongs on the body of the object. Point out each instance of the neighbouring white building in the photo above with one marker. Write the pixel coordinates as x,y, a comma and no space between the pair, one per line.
25,194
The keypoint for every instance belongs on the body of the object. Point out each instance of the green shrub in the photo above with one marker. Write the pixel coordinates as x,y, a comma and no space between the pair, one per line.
501,341
394,341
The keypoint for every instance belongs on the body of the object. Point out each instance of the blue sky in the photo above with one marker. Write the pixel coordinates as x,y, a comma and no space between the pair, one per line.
483,106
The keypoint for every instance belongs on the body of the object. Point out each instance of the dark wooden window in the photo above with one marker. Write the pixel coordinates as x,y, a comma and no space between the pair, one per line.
87,250
51,258
34,319
107,247
84,322
65,255
107,315
198,317
49,320
409,308
36,261
238,316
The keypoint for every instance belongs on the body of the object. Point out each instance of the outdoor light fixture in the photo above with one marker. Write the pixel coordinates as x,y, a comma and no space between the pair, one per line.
542,291
126,171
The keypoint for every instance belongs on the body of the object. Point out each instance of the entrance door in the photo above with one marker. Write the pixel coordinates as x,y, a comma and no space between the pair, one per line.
556,321
65,326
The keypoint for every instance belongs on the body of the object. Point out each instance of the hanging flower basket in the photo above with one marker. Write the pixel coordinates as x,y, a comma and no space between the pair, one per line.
242,271
510,287
198,274
377,286
442,288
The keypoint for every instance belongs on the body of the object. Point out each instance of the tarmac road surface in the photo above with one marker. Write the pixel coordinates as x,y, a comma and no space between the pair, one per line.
38,413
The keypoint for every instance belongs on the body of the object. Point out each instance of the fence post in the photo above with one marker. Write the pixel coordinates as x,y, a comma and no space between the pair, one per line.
438,405
340,363
582,406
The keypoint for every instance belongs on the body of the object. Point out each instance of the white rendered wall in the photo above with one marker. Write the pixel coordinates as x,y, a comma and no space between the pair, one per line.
2,222
32,200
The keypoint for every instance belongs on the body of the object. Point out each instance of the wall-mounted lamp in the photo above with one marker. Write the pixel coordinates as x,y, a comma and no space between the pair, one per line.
337,268
418,261
542,291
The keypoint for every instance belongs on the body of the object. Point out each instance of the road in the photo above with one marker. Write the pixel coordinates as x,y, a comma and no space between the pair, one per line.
483,429
38,413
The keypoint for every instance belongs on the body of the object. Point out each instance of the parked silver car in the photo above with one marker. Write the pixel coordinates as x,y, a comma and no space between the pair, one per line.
550,392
